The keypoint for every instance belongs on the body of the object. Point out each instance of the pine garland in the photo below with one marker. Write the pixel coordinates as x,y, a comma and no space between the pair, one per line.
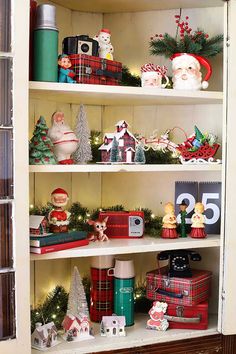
188,41
129,79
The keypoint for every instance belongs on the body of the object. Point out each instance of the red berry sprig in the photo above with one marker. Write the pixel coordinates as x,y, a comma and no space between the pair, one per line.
184,26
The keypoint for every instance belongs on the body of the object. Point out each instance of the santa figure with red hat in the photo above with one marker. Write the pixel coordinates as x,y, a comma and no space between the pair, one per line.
59,218
63,138
186,71
105,49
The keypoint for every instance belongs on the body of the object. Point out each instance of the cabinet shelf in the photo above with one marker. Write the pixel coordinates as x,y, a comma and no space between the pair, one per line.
127,246
122,168
137,335
119,95
107,6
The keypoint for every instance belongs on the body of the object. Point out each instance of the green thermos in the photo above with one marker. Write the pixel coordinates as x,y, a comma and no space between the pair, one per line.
124,289
45,67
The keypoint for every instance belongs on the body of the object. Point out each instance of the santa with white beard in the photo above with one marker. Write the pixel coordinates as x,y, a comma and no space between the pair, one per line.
186,71
63,138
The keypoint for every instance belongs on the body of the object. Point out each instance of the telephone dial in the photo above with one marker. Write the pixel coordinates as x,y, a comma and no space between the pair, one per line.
179,265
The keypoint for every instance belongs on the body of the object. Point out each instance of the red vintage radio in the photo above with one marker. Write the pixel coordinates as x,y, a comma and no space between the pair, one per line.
123,224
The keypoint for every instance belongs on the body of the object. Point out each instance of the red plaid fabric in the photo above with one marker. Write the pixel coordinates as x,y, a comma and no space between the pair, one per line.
95,70
99,309
192,290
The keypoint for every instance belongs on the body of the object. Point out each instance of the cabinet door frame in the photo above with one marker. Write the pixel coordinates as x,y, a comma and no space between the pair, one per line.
228,260
20,44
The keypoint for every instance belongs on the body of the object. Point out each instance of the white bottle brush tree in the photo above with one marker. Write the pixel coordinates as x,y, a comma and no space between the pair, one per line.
83,154
77,302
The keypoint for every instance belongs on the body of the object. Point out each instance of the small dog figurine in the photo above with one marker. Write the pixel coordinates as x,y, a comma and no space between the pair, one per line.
99,227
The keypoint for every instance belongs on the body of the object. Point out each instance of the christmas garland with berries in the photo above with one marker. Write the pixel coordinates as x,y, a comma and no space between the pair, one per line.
186,41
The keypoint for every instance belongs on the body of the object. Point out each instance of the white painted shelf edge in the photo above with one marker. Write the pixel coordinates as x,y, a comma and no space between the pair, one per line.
119,95
127,246
124,168
137,335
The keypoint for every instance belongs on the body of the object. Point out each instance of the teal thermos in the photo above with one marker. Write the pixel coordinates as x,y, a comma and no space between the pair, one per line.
45,52
124,290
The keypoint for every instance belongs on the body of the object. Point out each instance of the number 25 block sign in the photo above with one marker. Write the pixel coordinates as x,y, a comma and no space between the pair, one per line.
208,193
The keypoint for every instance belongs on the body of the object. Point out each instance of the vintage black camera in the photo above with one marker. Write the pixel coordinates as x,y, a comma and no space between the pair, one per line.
179,262
82,44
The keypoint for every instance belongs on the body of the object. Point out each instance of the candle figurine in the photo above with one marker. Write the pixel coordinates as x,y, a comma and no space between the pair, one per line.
198,228
169,222
183,213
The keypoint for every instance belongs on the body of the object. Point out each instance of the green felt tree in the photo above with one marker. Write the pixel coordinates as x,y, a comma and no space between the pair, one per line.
139,156
40,146
114,157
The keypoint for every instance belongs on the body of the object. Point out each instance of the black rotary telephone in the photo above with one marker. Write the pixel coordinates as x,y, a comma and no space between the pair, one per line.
179,262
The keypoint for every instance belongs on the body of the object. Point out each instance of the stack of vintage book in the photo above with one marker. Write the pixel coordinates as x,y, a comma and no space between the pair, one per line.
42,242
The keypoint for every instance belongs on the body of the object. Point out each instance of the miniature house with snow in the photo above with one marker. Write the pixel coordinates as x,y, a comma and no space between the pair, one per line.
44,336
126,144
113,326
38,225
76,328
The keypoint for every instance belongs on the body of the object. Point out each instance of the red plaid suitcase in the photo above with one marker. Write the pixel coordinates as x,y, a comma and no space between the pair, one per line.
95,70
180,291
188,317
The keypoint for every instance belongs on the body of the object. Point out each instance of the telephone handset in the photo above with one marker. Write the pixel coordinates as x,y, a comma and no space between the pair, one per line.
179,262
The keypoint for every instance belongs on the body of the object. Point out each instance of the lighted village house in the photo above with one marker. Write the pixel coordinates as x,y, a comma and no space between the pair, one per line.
44,336
38,225
126,141
78,327
113,326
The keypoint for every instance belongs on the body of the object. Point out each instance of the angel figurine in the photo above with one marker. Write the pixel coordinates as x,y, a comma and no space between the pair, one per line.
198,228
169,222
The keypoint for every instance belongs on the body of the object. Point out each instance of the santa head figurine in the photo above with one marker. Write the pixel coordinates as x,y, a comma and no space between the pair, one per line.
63,138
59,218
186,71
152,75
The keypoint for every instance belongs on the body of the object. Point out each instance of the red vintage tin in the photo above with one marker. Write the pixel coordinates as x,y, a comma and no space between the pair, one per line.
95,70
188,317
180,291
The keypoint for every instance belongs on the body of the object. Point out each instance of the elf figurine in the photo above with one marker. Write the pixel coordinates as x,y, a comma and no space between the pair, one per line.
65,74
169,222
183,213
198,228
157,319
59,218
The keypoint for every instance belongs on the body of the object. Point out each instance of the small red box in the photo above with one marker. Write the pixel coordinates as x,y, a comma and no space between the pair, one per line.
123,224
187,317
180,291
95,70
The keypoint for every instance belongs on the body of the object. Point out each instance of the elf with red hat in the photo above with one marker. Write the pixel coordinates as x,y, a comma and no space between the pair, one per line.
59,218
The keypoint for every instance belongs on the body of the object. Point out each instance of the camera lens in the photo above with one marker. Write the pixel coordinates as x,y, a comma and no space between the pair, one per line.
137,221
85,48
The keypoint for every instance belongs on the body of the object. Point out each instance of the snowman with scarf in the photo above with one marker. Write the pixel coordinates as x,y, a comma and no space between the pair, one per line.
105,49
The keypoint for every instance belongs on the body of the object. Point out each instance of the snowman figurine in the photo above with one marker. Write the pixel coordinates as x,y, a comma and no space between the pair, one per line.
63,138
105,49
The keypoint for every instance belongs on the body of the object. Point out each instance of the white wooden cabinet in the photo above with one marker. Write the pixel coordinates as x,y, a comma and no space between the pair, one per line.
132,23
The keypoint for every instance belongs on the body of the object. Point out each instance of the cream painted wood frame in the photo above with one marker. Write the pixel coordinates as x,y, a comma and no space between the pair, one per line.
20,20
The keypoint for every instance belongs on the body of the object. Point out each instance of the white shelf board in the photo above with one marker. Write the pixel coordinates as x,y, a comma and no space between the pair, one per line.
108,6
119,95
123,168
137,335
127,246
